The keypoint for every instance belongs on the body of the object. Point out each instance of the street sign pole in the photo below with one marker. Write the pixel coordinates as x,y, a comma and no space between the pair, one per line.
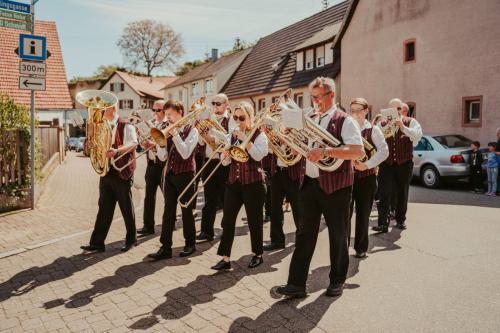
32,139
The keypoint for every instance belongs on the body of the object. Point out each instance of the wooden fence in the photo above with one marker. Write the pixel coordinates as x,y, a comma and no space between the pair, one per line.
14,161
52,142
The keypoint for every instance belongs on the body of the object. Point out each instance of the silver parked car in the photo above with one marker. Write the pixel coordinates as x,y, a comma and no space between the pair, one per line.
437,157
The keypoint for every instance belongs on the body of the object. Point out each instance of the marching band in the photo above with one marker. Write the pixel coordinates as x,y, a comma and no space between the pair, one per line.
330,165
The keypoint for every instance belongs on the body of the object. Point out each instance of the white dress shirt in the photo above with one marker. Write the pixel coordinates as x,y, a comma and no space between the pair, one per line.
160,153
129,133
380,144
351,135
413,131
185,147
258,151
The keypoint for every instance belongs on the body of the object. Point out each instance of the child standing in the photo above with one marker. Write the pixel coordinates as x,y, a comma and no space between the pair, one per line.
492,169
475,162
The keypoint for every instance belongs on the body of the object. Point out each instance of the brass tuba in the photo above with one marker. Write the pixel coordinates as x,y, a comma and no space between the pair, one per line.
99,133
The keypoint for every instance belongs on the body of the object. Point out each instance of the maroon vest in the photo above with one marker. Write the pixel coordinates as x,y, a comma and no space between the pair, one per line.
400,147
248,172
295,171
367,135
128,172
225,123
176,164
343,177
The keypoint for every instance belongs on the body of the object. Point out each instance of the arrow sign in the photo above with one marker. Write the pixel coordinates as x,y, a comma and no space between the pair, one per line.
31,83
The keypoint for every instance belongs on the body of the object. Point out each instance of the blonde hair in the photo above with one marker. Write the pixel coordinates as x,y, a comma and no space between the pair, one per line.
361,101
323,82
247,108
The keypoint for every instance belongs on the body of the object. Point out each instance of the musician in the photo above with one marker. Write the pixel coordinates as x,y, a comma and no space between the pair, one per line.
365,181
285,184
396,171
116,186
156,161
325,193
214,188
179,171
245,186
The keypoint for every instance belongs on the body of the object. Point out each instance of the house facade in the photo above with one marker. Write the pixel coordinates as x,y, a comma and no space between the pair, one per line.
289,58
441,57
205,80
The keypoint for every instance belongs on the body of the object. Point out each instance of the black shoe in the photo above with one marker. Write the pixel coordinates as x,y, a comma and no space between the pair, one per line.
92,248
162,253
360,255
222,265
273,246
255,261
401,226
334,289
381,228
203,236
267,218
145,231
187,251
292,291
128,246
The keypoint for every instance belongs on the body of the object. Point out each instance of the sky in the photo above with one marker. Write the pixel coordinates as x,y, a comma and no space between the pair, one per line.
89,29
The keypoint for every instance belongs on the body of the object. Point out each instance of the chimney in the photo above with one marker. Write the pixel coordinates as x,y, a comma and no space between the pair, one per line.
215,55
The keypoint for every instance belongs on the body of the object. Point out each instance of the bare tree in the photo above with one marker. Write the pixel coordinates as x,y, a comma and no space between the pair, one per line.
149,44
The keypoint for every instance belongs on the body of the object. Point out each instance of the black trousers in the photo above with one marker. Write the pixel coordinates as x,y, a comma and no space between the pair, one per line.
283,187
113,189
335,208
363,194
394,179
174,185
476,178
252,197
153,181
213,189
268,200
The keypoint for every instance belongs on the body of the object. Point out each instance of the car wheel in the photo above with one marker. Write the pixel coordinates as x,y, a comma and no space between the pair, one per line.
430,177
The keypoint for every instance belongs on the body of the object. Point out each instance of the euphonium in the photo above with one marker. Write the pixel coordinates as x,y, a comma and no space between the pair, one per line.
161,136
99,133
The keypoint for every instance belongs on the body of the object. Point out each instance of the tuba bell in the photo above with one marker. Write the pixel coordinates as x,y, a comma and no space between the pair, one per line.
99,133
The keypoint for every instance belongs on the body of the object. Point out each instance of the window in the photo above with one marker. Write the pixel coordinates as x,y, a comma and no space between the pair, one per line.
300,61
126,104
117,86
320,56
194,89
208,86
262,103
424,145
299,99
409,50
453,141
181,95
309,59
412,112
472,111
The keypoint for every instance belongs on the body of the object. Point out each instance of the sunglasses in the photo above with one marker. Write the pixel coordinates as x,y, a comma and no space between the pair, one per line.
217,103
399,108
157,110
240,118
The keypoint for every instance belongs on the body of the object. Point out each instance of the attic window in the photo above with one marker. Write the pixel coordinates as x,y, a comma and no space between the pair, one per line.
280,63
409,50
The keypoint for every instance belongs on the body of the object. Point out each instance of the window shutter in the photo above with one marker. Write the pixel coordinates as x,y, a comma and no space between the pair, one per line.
112,86
131,104
122,86
120,105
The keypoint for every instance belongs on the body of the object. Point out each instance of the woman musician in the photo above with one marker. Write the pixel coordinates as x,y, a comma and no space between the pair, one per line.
245,186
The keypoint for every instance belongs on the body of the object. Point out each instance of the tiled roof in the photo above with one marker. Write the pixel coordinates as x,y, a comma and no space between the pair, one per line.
56,96
328,33
145,85
209,69
256,75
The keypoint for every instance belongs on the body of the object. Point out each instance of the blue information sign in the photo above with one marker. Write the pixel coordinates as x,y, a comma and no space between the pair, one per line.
15,6
32,47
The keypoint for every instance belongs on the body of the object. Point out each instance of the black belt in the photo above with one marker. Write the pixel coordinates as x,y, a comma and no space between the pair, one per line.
312,180
153,162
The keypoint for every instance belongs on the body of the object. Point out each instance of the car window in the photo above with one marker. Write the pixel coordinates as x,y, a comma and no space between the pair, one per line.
424,145
453,141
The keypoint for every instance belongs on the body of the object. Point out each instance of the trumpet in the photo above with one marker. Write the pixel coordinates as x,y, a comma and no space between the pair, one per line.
388,123
161,136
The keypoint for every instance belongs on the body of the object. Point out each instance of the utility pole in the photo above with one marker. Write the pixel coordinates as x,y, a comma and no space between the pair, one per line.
32,139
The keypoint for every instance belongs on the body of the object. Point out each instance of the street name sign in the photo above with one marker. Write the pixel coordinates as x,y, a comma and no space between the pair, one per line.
15,6
19,25
14,15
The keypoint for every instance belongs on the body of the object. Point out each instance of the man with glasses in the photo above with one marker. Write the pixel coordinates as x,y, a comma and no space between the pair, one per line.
325,193
365,179
395,172
156,161
214,189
